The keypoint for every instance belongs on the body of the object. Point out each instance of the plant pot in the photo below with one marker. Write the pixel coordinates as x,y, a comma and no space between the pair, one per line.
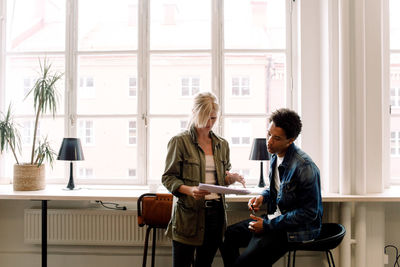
28,177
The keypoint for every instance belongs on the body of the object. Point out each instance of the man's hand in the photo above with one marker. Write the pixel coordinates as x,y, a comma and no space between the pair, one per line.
255,203
257,225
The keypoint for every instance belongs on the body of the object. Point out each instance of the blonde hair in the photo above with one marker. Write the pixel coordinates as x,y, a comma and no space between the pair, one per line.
203,105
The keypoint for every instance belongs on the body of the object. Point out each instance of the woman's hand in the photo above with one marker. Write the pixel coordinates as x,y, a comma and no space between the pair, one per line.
231,178
193,191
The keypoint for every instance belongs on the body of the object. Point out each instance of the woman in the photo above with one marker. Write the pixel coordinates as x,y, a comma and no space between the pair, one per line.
196,156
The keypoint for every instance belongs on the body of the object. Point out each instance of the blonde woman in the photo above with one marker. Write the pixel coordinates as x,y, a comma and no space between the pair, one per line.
196,156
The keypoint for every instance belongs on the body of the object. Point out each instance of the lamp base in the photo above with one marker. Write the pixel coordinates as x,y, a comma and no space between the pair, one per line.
261,182
73,189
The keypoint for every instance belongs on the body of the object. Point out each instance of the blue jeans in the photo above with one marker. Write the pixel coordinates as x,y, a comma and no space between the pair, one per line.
183,255
261,249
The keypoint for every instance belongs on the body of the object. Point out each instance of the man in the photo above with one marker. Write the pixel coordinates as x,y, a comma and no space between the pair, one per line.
293,201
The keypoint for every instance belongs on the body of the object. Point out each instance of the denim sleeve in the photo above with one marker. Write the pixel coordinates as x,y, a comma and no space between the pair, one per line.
265,194
308,198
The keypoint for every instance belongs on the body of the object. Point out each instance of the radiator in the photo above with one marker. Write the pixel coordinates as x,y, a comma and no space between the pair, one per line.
94,227
88,227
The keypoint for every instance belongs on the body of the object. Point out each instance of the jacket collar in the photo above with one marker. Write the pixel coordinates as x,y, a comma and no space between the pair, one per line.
288,155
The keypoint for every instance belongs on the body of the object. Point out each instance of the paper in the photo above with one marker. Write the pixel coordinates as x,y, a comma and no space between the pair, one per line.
223,189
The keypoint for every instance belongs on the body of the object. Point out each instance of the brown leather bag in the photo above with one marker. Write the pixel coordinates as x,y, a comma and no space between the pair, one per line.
154,209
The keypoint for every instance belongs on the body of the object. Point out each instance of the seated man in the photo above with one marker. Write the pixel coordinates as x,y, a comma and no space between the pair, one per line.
293,201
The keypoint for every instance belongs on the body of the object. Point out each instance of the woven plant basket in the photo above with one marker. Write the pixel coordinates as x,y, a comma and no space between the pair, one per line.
29,177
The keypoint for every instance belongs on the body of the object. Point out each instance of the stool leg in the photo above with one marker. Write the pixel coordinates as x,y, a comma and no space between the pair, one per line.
332,260
153,248
288,262
294,258
146,246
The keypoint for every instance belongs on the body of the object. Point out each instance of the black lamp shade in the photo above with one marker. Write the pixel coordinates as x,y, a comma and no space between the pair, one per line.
259,149
71,150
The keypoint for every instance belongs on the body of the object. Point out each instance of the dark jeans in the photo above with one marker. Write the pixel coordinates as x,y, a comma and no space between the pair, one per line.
261,249
183,255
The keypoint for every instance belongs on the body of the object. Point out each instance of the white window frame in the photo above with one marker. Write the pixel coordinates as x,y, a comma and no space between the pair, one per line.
144,54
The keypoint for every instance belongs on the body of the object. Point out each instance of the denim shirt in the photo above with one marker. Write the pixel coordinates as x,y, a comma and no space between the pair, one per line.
299,196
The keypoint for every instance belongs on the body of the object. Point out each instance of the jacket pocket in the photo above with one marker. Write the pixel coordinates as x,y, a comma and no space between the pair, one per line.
186,221
191,171
287,196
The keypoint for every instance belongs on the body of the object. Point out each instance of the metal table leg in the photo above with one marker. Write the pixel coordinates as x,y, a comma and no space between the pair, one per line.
44,233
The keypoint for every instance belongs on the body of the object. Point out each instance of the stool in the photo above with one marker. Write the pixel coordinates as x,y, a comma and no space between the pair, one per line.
154,210
330,237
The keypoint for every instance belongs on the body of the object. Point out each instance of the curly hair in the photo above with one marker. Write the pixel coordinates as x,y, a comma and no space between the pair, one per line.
288,120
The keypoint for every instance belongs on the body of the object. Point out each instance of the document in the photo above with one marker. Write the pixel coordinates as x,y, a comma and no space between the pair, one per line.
223,189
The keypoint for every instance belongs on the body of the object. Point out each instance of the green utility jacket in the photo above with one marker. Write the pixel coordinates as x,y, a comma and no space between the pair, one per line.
185,165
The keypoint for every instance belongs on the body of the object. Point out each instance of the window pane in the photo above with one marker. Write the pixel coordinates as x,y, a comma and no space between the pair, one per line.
161,131
395,114
169,74
109,141
176,24
109,76
394,24
108,25
17,71
255,24
255,128
51,128
262,80
36,25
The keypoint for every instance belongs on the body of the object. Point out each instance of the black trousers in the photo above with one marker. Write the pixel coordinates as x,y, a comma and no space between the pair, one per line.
183,255
261,249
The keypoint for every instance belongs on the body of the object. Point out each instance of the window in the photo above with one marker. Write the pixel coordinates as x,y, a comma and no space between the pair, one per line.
244,172
240,86
131,69
395,143
86,87
85,132
85,173
28,84
395,97
132,172
27,132
190,86
183,125
241,132
394,89
132,87
132,133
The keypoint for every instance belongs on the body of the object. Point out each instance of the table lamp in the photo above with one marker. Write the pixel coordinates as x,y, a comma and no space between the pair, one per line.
71,150
259,151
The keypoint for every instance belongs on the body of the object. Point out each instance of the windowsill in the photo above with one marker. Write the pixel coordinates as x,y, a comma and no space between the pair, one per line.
132,193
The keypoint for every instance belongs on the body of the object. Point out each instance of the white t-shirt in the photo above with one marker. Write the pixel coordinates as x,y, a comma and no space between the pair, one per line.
210,175
277,180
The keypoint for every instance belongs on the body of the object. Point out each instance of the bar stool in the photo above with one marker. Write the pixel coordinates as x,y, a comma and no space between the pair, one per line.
330,237
153,210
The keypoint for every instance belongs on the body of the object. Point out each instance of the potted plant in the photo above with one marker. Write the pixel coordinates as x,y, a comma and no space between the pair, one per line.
31,176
